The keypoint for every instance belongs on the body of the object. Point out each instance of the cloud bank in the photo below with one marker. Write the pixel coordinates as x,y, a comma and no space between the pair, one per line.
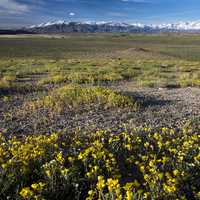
12,7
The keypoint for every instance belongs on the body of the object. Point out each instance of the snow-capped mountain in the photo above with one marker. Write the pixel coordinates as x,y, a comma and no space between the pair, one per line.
180,26
62,26
48,24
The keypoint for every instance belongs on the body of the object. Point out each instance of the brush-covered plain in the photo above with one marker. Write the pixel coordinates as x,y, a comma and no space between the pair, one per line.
100,116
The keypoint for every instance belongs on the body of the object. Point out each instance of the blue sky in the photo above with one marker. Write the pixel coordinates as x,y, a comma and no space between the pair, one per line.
17,13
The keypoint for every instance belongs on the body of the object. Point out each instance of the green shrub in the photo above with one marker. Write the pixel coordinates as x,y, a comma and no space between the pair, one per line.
72,96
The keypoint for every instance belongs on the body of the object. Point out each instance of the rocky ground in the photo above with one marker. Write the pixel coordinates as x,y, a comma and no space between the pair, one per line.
159,107
165,107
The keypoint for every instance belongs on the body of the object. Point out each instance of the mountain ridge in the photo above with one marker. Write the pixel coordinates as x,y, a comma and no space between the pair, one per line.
61,26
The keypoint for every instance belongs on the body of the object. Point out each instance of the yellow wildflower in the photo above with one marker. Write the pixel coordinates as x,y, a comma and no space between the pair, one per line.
101,183
26,192
129,195
59,158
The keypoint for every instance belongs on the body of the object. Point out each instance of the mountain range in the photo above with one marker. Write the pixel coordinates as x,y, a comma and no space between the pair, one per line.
111,27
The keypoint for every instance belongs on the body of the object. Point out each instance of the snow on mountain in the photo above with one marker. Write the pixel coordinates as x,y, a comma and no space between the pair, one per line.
102,26
193,25
50,23
86,22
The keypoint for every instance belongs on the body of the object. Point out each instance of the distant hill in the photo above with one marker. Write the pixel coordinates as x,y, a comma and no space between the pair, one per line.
15,32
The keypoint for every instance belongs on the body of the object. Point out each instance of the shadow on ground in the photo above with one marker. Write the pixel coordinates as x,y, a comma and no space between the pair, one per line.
148,100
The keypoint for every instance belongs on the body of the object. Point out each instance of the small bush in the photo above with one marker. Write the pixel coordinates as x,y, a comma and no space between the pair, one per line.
9,78
73,96
7,87
4,85
82,77
55,79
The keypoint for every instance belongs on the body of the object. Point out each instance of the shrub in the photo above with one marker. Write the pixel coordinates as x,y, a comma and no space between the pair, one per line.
55,79
73,96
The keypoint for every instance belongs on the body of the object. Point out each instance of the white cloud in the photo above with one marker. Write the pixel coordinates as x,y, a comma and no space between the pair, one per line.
12,7
71,14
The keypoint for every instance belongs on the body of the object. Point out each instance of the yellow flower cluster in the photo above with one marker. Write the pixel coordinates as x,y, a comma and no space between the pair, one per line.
137,164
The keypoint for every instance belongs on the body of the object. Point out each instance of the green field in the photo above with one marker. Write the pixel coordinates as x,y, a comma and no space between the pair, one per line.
157,59
179,46
100,116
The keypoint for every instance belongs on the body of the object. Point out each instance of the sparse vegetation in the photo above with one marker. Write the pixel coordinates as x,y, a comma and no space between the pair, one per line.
100,116
9,85
73,96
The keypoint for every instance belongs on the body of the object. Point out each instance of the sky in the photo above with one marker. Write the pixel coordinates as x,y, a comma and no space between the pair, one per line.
20,13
